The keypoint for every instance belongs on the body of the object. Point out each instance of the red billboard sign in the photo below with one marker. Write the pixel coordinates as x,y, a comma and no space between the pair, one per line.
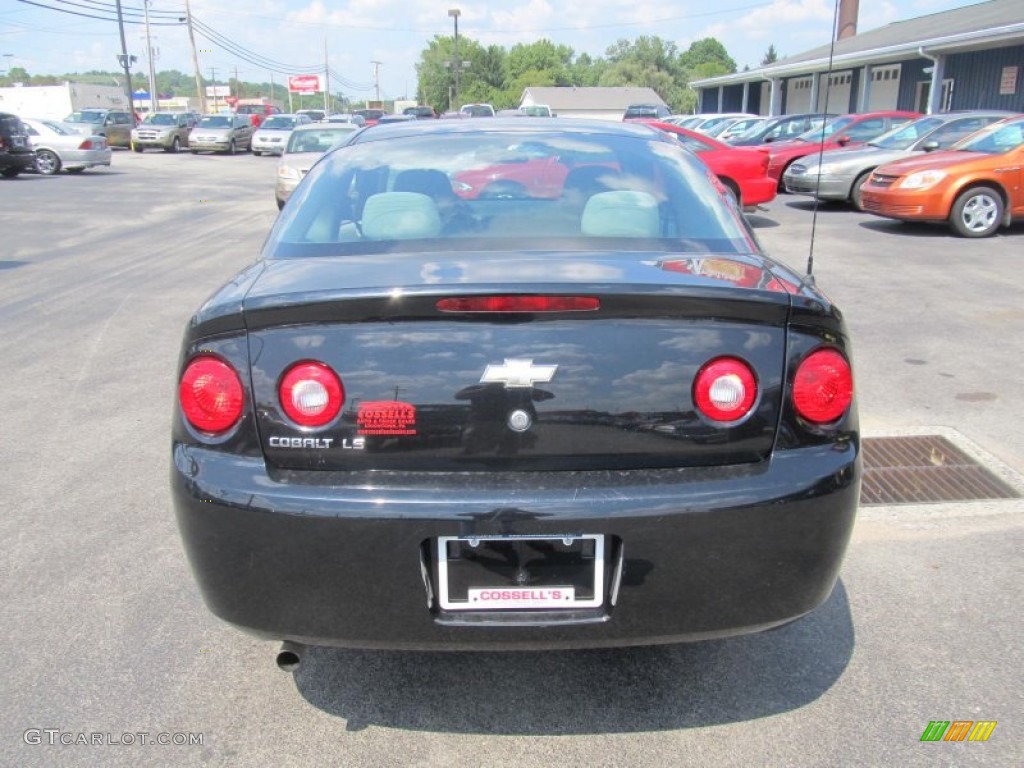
305,83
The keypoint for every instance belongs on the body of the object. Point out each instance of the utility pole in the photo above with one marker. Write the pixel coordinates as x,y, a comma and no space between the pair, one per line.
195,60
376,78
455,13
327,82
213,82
153,101
126,63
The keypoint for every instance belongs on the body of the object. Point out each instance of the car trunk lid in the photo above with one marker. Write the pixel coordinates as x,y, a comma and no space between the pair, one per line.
428,388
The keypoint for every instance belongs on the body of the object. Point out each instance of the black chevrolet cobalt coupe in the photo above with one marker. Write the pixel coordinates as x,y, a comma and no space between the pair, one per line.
514,384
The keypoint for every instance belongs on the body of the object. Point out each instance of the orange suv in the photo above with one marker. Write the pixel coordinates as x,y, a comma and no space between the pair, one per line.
976,186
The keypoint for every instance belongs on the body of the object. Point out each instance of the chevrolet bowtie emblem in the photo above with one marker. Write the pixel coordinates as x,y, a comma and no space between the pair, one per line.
518,373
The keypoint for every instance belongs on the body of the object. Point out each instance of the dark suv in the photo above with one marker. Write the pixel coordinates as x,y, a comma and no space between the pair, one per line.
641,112
16,154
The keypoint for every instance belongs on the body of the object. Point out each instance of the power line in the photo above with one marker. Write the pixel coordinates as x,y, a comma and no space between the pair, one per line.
99,18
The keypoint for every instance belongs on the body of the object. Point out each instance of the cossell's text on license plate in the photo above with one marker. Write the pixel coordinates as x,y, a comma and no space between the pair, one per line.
521,598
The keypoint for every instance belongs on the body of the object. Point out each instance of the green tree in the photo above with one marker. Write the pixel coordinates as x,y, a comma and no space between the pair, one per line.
707,58
542,56
770,56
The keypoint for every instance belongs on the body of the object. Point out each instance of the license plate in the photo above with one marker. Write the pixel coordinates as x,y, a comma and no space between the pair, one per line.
488,573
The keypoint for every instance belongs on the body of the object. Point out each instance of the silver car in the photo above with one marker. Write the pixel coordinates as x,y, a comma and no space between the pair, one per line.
272,135
840,173
168,131
221,133
306,145
60,146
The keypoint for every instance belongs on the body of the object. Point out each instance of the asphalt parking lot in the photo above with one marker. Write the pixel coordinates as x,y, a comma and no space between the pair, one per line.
107,635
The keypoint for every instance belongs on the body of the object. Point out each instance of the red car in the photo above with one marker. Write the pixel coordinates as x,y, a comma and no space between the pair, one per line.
843,131
527,170
743,172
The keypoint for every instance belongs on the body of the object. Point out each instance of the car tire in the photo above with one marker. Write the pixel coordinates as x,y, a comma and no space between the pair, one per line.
504,190
47,162
136,148
10,173
977,212
856,196
782,175
280,203
175,147
194,151
256,154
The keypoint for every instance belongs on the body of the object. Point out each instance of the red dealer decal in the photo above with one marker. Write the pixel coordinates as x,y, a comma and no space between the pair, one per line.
386,417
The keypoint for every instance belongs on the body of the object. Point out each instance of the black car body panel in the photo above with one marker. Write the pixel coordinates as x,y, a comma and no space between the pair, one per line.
16,153
487,453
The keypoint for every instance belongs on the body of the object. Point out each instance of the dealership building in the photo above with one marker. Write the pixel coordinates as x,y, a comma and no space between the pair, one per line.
966,58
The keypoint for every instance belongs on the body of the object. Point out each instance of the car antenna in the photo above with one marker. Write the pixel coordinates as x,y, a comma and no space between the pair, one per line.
809,277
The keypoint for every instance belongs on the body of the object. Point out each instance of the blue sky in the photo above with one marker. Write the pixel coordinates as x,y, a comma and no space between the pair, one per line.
394,32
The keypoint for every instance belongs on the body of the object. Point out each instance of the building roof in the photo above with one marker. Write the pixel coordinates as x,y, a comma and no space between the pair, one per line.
572,98
982,25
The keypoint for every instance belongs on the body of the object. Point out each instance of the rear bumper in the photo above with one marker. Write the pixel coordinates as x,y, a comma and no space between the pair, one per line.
705,553
25,161
87,158
758,191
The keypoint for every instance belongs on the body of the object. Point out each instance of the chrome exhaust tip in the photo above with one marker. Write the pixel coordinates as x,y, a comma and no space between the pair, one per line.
290,656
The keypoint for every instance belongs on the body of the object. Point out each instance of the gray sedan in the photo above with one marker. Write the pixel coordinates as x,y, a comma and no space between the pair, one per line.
838,174
221,133
61,146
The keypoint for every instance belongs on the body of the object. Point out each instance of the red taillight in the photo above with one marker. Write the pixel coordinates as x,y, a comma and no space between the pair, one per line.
520,304
823,386
311,394
87,144
725,389
211,395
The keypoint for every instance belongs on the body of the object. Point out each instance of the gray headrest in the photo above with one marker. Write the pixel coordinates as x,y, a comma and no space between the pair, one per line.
400,216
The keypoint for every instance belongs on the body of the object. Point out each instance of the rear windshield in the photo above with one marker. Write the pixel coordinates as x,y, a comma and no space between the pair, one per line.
87,116
519,191
642,111
11,126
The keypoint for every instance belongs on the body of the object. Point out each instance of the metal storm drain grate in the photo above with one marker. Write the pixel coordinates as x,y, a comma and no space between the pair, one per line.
917,470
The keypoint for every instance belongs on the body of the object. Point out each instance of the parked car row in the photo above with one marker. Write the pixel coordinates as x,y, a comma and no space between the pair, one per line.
962,168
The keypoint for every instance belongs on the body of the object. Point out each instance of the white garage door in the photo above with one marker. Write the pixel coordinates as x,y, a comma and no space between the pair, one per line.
798,95
838,92
885,88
